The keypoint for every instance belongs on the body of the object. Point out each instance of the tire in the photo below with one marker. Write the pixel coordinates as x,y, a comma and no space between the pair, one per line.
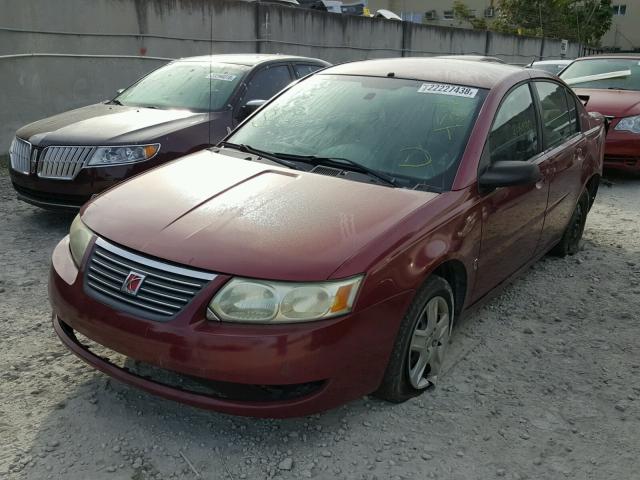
423,337
570,242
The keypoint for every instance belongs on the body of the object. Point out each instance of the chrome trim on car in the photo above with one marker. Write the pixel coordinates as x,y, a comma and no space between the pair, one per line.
164,291
63,162
154,263
20,155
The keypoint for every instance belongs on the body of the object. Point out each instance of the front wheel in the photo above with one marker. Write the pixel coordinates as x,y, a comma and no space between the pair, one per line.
421,343
570,242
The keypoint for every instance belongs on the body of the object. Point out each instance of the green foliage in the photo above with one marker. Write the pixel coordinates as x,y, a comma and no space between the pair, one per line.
584,21
464,14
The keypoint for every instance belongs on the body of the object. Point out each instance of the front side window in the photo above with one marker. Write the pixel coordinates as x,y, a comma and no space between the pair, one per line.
412,130
556,126
267,82
603,73
574,117
198,86
514,134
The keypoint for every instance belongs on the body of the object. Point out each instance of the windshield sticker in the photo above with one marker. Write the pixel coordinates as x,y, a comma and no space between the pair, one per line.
444,89
225,77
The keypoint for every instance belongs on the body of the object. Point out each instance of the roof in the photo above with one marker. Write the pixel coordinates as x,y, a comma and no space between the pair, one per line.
475,58
434,69
250,59
623,56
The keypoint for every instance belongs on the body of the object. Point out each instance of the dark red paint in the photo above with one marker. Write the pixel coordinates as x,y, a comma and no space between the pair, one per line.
244,218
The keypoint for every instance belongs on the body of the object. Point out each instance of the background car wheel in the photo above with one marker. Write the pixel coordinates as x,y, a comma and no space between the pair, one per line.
423,338
570,242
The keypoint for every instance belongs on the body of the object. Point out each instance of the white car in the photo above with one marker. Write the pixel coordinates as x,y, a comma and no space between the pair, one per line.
552,66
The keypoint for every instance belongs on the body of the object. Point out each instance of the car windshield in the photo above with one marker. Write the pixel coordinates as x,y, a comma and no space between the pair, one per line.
611,73
412,131
185,85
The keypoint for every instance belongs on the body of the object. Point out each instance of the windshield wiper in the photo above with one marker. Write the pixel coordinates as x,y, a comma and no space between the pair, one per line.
242,147
115,101
341,162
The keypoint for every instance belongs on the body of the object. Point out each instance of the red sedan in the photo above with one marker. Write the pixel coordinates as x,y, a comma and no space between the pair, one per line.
610,85
325,249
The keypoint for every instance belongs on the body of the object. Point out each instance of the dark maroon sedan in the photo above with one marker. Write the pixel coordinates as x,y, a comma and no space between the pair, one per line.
610,85
183,107
325,248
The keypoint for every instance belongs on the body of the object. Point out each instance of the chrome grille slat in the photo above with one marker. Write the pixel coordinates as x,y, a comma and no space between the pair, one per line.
20,155
63,162
146,272
160,294
126,300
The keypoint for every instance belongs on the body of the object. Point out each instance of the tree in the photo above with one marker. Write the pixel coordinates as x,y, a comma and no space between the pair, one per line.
464,14
584,21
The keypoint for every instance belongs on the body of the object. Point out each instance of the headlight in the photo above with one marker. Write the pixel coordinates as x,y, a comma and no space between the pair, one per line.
256,301
126,154
79,238
629,124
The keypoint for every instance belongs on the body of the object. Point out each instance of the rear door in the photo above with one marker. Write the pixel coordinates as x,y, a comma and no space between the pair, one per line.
512,217
563,145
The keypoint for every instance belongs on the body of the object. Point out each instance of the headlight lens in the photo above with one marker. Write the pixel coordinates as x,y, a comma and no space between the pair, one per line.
125,154
79,238
629,124
256,301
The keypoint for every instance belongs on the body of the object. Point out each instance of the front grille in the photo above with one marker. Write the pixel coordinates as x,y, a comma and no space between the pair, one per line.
164,292
20,155
63,162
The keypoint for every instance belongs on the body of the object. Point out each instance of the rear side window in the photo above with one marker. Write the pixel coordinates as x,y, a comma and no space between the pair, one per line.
556,124
574,119
267,82
303,69
514,134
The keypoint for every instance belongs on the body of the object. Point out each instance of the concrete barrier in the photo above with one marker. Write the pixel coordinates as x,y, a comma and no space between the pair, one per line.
58,55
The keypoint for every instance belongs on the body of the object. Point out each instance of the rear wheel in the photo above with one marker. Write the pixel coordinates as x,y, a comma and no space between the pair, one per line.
570,242
422,341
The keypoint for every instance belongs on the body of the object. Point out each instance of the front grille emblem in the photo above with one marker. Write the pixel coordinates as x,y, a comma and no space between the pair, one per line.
132,283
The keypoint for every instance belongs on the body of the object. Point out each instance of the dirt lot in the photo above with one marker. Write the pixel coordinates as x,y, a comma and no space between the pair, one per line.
542,383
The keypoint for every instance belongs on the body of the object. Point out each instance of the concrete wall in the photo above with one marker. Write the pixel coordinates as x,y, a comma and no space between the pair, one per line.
57,55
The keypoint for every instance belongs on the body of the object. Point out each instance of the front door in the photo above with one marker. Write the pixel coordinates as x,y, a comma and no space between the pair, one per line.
512,217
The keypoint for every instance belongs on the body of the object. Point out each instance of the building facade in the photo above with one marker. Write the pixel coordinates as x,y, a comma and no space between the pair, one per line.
624,33
436,12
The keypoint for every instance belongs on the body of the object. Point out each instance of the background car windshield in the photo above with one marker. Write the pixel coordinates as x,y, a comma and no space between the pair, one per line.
394,126
625,71
186,85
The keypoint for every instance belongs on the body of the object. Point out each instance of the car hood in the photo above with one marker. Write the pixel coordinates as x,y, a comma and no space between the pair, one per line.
104,124
617,103
246,218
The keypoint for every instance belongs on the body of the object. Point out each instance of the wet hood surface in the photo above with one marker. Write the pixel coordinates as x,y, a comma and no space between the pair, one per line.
103,124
249,219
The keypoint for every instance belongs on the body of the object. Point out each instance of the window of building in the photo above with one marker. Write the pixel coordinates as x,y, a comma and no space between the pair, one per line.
619,9
448,15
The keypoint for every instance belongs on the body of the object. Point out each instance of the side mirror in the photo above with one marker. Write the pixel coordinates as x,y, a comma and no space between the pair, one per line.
508,174
250,107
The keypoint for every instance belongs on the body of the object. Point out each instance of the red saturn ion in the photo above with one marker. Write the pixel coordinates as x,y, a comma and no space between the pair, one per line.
325,248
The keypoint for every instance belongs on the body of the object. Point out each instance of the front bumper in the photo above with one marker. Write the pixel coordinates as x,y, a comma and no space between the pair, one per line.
345,357
622,151
62,194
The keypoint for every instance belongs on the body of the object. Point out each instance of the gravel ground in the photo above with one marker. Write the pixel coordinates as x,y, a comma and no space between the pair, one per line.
541,383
